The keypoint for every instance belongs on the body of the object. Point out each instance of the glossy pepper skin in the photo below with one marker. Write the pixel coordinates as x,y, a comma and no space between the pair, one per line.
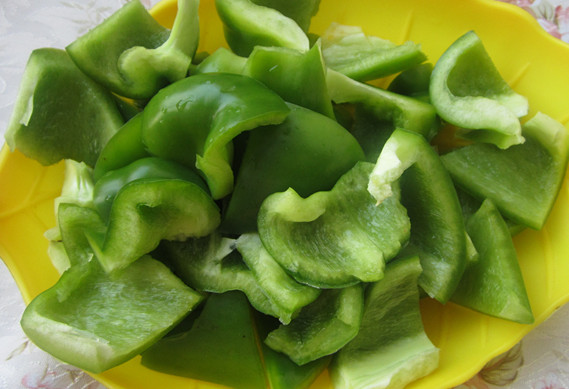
194,120
107,188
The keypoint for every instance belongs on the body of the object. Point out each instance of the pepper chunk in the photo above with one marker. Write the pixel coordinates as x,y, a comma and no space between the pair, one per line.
247,25
347,50
60,113
438,235
138,56
96,320
337,238
522,181
468,91
194,120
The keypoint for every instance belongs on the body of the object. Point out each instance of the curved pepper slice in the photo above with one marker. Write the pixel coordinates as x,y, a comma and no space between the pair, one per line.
413,82
221,60
307,152
96,320
194,120
403,111
123,148
138,56
145,211
247,25
347,50
468,91
298,77
337,238
280,288
108,186
49,122
493,284
391,348
438,234
522,181
321,328
301,11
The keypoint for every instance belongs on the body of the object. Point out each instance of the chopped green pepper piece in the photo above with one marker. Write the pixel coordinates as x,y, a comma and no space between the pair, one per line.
147,210
281,289
468,91
307,152
96,320
493,284
337,238
60,113
522,181
123,148
301,11
413,82
194,120
403,111
391,348
220,347
347,50
138,56
438,234
247,25
298,77
111,183
221,61
210,264
321,328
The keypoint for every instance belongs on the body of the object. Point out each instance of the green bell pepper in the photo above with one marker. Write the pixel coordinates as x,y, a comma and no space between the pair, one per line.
402,111
247,25
522,181
413,82
59,112
493,284
468,91
96,320
307,152
138,57
221,60
123,148
194,120
210,264
347,50
438,235
301,11
148,210
391,348
321,328
337,238
108,186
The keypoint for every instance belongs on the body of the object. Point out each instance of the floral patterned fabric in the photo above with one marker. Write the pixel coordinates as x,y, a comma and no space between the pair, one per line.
540,361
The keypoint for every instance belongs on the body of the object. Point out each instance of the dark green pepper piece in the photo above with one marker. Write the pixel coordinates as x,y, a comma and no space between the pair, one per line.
347,50
337,238
132,55
96,320
60,113
321,328
123,148
413,82
468,91
391,347
308,152
403,111
522,181
438,234
194,120
247,25
107,187
147,210
493,284
220,347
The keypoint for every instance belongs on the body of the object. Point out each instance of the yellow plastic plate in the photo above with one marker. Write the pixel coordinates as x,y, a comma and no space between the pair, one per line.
530,60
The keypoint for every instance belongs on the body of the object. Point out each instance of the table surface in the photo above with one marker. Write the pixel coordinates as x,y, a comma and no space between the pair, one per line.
540,361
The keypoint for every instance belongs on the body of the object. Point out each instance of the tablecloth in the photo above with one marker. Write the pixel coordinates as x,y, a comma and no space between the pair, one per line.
540,361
